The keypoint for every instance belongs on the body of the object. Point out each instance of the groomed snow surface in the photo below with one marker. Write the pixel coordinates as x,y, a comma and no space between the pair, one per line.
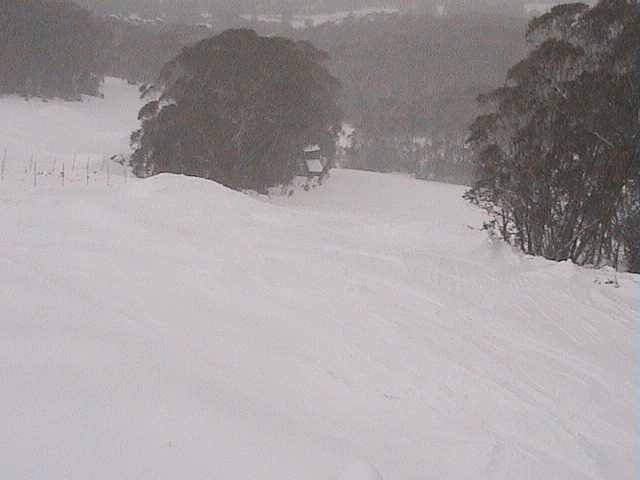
174,329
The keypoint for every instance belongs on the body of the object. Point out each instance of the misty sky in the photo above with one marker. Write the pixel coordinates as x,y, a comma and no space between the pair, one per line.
308,5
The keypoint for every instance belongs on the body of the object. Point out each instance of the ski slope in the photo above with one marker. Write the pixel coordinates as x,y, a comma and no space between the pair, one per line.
40,140
172,328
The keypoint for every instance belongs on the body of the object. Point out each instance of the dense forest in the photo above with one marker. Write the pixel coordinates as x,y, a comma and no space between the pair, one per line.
553,151
138,52
51,49
409,80
55,48
192,9
410,83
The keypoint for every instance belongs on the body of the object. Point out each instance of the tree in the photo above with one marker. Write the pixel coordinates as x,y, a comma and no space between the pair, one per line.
428,71
50,48
383,140
238,109
557,158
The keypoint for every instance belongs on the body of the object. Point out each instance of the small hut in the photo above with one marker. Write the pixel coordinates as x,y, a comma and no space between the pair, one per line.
312,163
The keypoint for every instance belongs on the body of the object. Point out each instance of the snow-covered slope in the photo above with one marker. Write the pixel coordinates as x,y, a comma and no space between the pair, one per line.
74,137
172,328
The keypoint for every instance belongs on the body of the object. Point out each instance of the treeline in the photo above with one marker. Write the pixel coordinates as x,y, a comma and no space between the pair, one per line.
410,84
55,48
138,52
558,156
409,81
51,49
173,10
192,9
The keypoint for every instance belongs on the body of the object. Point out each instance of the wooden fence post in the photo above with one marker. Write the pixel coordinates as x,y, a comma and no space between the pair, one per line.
4,165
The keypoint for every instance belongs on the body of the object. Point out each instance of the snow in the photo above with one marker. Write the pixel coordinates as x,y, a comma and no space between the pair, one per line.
360,471
54,133
366,329
311,148
542,8
302,21
314,165
345,139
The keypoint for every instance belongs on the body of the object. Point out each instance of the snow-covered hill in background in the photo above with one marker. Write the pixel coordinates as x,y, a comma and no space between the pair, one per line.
56,135
313,20
172,328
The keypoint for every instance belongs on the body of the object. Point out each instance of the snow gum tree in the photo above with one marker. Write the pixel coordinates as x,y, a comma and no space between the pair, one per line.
238,109
557,155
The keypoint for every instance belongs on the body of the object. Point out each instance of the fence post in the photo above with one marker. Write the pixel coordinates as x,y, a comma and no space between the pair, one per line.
62,174
4,165
35,172
87,170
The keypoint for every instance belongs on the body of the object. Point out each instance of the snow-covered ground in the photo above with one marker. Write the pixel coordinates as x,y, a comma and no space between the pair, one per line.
56,136
172,328
313,20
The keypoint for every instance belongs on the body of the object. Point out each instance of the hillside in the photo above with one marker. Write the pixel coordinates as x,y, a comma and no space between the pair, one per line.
172,328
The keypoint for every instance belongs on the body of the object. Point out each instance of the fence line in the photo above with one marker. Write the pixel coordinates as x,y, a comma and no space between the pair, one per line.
4,165
56,171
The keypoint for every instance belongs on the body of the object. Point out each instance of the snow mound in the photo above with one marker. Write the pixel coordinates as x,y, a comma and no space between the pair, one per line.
173,328
183,189
360,471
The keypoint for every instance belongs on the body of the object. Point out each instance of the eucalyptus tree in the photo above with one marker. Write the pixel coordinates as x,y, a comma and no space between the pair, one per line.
557,162
237,108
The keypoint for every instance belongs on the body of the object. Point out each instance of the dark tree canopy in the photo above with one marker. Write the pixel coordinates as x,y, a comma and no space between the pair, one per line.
430,68
557,158
238,109
50,48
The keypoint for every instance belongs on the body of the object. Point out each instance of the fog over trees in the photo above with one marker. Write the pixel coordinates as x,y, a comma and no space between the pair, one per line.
51,49
410,83
552,150
319,239
428,68
193,8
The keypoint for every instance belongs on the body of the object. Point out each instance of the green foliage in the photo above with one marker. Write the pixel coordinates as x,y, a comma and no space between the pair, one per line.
238,109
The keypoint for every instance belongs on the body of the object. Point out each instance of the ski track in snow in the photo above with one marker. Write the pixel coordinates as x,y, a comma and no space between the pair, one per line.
172,328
